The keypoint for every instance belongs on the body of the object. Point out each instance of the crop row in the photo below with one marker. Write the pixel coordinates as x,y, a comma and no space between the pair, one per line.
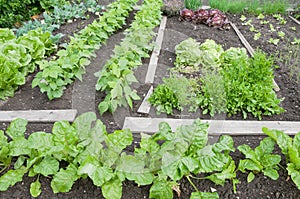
117,75
161,160
55,75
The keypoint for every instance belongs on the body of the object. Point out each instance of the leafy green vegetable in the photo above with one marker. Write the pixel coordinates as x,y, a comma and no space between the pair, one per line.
55,75
290,147
260,159
116,75
164,99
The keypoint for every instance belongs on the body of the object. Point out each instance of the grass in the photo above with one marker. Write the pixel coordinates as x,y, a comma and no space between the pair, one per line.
250,6
192,4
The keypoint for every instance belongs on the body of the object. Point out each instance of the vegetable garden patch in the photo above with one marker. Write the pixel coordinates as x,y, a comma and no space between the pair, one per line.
99,65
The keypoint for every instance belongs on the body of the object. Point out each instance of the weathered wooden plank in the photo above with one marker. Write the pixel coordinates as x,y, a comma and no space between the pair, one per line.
145,106
231,127
39,115
154,57
295,20
249,48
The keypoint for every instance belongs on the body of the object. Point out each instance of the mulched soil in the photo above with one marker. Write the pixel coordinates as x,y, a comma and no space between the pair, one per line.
262,187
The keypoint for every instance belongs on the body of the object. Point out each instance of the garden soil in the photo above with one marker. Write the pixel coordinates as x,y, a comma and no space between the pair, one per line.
262,187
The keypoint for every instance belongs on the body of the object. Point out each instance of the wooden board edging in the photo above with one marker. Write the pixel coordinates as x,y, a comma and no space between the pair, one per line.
156,51
230,127
39,115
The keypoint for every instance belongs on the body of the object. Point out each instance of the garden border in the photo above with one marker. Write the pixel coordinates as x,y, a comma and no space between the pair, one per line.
230,127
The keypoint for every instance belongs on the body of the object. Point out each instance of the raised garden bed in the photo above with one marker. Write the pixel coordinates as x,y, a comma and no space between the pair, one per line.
27,98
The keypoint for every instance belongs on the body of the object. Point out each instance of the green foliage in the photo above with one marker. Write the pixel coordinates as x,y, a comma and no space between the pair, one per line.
55,75
164,99
175,93
260,159
192,4
18,57
290,147
160,160
230,81
116,75
253,7
61,13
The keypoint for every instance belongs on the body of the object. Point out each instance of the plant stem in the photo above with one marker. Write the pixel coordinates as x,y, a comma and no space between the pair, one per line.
188,177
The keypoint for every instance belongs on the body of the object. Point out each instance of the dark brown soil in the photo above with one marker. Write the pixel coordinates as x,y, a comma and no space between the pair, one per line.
262,187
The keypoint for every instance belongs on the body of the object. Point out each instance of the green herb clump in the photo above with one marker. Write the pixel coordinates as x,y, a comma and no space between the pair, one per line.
230,81
164,99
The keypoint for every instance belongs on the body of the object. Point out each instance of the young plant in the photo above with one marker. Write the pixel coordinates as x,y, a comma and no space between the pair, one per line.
264,22
280,19
257,36
274,41
290,147
260,16
281,34
272,29
164,99
260,159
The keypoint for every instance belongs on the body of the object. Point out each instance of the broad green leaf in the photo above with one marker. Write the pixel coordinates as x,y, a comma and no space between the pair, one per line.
204,195
271,173
118,140
144,178
16,128
294,173
103,107
250,177
112,189
35,188
97,173
11,177
270,160
48,166
210,161
117,91
41,141
248,164
225,143
227,173
266,146
20,161
64,179
65,136
19,146
162,189
283,140
130,164
83,124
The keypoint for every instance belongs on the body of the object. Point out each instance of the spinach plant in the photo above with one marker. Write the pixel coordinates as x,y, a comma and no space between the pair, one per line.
260,159
290,147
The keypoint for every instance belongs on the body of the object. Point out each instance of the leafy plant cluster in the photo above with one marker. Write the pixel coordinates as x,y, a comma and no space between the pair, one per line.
161,160
229,81
56,74
13,11
59,15
19,56
175,93
117,75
